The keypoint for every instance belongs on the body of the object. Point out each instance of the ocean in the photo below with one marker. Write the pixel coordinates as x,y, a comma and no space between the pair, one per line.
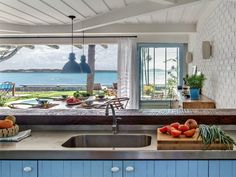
103,77
53,78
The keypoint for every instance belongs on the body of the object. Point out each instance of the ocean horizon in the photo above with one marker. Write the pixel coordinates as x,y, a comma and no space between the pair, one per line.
56,78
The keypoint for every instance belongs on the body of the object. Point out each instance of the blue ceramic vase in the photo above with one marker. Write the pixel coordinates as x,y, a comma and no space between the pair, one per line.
194,93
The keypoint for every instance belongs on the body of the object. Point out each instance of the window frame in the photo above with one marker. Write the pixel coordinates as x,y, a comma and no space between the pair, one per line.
181,64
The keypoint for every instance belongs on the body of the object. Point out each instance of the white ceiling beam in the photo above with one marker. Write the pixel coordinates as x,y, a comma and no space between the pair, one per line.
97,21
50,29
143,29
118,29
168,2
133,10
7,27
117,15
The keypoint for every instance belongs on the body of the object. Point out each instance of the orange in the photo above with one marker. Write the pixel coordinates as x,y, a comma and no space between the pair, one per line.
189,133
6,123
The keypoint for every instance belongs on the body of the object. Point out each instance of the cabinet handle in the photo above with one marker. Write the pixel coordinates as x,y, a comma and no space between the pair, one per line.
115,169
129,169
27,169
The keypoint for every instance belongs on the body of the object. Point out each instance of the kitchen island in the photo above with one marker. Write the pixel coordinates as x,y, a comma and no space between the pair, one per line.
47,145
42,154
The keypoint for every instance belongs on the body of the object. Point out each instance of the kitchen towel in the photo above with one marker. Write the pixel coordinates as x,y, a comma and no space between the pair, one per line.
20,136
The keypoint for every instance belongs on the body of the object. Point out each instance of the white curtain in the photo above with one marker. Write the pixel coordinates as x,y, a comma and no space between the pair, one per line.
128,72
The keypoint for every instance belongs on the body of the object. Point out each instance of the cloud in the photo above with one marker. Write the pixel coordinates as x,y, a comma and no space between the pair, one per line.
44,57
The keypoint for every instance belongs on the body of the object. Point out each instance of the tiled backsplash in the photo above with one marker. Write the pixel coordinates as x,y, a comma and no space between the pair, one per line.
219,27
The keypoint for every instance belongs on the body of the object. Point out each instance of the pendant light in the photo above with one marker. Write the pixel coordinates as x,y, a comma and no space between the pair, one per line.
85,68
71,66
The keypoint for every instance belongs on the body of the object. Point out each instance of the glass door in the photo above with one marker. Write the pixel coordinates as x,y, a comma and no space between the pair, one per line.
161,71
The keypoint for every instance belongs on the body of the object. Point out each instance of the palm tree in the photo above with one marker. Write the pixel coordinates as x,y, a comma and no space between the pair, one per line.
91,62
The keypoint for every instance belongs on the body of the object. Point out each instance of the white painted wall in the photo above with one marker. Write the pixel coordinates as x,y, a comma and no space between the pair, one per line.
218,25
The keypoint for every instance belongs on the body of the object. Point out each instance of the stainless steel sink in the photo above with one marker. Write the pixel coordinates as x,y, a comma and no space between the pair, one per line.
106,141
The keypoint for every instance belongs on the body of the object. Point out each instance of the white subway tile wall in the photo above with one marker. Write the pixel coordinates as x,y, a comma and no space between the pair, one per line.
220,70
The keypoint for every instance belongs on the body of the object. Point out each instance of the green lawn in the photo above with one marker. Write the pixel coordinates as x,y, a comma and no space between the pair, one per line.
29,95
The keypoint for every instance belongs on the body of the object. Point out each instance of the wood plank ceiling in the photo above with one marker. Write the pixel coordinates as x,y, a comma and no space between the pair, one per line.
48,12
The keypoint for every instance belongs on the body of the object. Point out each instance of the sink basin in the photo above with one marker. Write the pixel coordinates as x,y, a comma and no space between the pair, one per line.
106,141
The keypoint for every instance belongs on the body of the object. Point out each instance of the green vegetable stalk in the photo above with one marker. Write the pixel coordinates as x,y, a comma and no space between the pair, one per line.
212,134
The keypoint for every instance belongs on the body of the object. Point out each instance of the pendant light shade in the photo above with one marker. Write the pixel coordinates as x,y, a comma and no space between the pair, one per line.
83,65
72,66
85,68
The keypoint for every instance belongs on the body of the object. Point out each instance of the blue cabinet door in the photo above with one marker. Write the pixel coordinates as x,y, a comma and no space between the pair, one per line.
79,168
18,168
181,168
138,168
166,168
222,168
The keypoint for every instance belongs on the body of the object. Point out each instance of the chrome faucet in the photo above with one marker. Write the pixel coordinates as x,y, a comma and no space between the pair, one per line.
114,118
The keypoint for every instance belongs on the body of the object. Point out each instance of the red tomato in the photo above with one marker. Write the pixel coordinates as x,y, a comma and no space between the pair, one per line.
163,129
183,128
169,129
175,125
175,133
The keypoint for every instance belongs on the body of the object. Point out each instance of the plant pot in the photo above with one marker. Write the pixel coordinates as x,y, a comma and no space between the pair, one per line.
194,93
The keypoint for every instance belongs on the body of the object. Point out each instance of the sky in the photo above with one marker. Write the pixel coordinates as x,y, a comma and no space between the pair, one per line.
44,57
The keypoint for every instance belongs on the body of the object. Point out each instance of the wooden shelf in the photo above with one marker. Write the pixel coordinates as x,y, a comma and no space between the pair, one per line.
203,103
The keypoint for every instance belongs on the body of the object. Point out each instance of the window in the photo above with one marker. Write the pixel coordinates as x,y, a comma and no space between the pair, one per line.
42,64
161,71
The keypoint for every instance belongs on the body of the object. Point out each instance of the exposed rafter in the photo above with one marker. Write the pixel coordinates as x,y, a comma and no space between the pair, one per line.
13,28
119,29
106,21
144,29
168,2
129,11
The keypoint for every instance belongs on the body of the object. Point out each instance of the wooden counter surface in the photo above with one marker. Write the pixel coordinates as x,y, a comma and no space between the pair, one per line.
203,103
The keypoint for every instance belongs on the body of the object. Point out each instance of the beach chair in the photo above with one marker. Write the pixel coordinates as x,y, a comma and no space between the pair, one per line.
120,103
7,88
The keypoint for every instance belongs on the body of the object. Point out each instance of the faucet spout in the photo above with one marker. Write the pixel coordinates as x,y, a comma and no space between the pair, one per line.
114,118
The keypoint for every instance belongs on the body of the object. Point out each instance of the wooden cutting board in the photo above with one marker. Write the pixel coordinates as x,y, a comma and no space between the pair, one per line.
167,142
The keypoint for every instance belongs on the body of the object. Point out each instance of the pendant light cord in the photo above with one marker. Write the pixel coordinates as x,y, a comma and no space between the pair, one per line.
72,17
72,34
83,42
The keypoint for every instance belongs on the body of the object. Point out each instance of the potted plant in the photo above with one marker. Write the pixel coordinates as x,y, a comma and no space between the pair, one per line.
3,100
148,89
195,82
83,95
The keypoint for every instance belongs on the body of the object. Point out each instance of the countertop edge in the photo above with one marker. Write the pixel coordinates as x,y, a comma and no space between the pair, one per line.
116,155
129,117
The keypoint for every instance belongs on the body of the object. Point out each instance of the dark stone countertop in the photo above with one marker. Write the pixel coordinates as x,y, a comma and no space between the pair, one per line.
129,117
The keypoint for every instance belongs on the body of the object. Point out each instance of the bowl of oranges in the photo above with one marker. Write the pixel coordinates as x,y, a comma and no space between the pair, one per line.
8,126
